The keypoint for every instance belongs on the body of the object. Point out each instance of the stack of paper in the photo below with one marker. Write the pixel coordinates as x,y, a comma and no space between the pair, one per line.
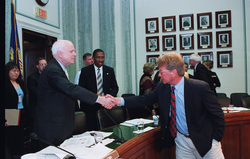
134,122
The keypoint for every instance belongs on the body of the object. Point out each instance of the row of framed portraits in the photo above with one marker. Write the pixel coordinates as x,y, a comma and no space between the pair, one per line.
186,22
224,58
204,41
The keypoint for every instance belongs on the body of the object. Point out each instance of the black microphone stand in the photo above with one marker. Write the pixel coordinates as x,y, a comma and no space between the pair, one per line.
35,137
121,140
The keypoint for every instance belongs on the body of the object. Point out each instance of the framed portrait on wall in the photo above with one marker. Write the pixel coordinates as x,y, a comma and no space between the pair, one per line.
204,40
224,59
168,24
223,39
186,22
186,57
186,41
223,19
206,56
169,42
152,43
151,25
204,20
152,58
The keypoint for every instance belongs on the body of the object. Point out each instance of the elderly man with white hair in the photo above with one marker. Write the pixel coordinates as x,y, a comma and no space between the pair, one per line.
55,113
200,71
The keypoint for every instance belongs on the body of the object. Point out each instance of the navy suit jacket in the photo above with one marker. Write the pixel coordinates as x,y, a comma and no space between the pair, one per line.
205,118
55,113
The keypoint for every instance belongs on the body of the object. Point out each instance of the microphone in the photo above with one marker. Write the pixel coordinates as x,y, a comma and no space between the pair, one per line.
35,137
121,140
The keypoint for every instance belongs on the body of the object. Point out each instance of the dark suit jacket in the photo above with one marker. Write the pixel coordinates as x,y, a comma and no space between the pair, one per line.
56,99
32,85
205,119
88,80
202,73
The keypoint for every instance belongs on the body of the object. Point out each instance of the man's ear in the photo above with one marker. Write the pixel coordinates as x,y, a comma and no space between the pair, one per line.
173,72
37,66
59,53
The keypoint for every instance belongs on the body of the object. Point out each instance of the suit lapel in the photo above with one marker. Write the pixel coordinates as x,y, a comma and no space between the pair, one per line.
58,65
104,74
93,76
165,100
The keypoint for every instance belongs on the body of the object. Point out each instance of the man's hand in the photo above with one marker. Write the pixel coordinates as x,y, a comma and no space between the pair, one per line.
116,100
107,102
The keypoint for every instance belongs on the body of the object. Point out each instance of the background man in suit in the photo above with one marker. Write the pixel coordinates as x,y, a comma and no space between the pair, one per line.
200,71
89,80
199,119
55,117
32,85
88,60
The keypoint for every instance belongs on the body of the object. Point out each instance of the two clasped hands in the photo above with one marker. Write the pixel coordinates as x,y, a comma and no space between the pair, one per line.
108,101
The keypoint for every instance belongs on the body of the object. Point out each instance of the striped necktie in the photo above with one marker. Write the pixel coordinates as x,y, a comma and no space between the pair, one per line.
173,128
99,83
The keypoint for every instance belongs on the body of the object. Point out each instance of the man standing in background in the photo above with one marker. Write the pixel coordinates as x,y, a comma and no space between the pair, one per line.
32,85
88,60
99,79
200,71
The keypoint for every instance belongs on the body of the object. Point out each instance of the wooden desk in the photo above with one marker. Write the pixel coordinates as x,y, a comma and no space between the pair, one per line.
235,142
145,146
236,139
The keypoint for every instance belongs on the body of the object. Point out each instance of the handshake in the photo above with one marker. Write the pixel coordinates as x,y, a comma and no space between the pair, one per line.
109,101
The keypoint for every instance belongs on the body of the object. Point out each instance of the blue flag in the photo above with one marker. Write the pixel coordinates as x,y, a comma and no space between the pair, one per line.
15,53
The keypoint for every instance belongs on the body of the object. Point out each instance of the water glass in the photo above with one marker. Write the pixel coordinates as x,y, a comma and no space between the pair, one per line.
231,107
140,126
98,138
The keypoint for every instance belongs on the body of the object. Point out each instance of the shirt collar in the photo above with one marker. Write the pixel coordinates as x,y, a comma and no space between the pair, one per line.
96,68
196,66
63,67
179,85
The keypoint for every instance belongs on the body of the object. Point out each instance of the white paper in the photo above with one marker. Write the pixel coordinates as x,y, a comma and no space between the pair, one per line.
39,156
135,121
96,152
88,133
107,141
234,109
144,130
79,141
77,146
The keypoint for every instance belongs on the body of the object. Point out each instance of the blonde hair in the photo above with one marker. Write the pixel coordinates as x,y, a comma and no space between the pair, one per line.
148,67
172,61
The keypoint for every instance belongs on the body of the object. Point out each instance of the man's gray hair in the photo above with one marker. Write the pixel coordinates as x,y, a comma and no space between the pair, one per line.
195,57
58,46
